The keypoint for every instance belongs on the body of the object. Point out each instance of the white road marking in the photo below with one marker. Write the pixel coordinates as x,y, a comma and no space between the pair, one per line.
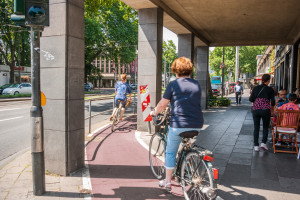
86,179
11,109
11,118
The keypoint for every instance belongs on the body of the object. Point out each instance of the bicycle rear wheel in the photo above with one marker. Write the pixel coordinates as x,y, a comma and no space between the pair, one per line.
116,118
157,152
196,178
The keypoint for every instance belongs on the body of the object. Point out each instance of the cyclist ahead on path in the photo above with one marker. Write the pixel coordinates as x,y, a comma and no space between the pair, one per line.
239,90
121,91
184,94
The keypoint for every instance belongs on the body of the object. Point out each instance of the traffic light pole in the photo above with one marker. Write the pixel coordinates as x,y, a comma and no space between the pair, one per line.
223,76
36,114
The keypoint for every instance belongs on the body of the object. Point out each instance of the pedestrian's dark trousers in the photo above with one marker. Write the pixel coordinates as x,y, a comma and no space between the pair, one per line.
238,97
265,115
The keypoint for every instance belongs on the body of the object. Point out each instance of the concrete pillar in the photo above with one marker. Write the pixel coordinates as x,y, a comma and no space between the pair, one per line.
186,46
150,57
62,78
293,70
201,66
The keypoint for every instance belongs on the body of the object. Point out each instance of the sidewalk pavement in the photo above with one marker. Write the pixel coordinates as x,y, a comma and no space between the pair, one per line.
118,167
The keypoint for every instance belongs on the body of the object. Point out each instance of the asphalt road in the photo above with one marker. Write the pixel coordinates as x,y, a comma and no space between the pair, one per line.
15,125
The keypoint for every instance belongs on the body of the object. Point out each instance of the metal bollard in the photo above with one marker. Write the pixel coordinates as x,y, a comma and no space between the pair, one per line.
90,116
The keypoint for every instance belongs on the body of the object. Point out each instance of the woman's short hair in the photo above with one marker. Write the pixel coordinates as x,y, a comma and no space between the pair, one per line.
265,78
292,97
182,66
123,77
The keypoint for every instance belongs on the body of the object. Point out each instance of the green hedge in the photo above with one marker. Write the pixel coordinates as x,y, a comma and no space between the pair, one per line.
215,101
14,96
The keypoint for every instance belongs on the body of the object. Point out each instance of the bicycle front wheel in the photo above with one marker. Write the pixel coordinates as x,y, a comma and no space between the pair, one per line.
157,152
196,178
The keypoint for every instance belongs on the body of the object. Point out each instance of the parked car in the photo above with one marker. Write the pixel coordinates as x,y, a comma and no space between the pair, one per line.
3,87
23,88
87,87
133,86
215,89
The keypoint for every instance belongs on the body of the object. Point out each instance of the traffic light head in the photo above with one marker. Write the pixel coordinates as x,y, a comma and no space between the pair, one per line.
19,12
37,13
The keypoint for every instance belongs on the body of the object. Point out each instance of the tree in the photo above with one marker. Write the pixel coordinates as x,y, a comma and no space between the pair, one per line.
169,53
12,39
247,59
216,58
111,30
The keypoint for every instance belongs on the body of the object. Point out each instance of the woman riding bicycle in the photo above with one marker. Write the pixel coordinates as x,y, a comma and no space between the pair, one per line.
184,93
121,90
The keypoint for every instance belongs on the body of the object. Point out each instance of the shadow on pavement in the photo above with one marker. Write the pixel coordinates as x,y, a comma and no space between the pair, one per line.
137,193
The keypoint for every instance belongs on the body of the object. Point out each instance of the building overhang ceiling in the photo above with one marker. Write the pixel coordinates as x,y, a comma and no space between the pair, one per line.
230,22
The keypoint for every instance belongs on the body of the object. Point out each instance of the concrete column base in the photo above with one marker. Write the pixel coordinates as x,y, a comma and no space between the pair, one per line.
150,57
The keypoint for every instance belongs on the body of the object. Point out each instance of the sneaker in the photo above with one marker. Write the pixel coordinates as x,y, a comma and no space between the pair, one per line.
278,144
256,148
264,146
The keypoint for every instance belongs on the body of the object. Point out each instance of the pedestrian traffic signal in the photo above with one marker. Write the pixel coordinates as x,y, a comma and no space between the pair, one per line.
19,12
37,13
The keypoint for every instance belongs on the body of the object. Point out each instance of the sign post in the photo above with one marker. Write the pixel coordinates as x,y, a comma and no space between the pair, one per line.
145,99
35,14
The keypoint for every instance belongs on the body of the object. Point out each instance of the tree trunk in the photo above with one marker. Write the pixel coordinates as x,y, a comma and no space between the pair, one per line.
12,72
210,94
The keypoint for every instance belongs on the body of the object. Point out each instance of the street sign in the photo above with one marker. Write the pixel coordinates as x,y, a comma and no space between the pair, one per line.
222,65
145,99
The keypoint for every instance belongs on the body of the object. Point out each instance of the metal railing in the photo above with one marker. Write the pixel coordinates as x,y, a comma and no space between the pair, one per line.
90,116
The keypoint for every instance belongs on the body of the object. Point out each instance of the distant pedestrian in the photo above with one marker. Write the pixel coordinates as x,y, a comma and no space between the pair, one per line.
262,98
239,90
253,85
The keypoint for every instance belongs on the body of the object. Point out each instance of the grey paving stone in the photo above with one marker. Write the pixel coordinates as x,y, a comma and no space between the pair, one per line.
245,138
221,156
220,162
240,159
240,145
237,173
265,172
290,185
224,149
242,150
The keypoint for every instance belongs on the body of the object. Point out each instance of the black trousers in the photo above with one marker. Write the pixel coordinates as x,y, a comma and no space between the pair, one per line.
265,115
238,96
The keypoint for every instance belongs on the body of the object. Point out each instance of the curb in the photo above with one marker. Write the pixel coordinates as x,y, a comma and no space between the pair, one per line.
14,99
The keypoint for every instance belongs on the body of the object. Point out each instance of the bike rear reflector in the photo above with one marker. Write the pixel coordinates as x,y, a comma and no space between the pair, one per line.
208,158
216,173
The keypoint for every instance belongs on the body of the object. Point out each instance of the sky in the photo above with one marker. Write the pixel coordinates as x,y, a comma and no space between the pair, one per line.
169,35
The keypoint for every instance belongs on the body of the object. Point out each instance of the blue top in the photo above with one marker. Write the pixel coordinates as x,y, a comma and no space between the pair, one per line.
122,90
185,97
238,88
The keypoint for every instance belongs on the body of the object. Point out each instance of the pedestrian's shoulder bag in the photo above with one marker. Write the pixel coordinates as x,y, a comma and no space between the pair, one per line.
257,96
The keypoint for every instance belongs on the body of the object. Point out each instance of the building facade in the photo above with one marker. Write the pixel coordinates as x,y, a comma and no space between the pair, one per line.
111,70
282,63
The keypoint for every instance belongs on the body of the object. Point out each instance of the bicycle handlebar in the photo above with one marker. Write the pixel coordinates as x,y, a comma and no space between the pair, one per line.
161,117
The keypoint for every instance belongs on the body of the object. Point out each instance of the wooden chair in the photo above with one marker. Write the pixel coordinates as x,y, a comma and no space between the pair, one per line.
287,124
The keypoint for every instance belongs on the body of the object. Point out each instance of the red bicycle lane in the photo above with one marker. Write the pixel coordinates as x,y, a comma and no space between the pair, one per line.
119,166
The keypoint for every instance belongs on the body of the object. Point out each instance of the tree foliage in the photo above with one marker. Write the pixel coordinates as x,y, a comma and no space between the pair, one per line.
247,59
169,53
14,41
111,30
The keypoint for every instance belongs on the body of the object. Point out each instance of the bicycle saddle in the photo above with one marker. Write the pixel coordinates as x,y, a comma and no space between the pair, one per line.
189,134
